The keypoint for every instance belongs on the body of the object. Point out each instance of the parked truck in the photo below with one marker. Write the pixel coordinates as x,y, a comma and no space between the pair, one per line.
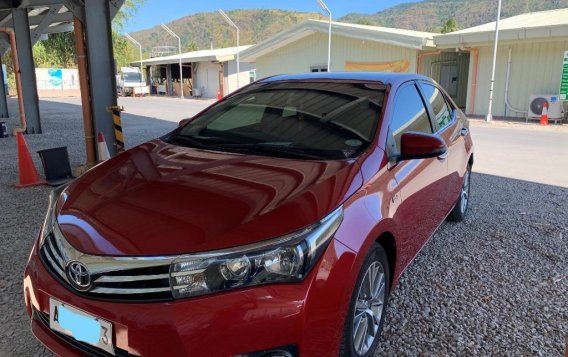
129,81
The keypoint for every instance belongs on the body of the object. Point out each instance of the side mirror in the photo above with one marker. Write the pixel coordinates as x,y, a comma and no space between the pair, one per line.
184,121
416,145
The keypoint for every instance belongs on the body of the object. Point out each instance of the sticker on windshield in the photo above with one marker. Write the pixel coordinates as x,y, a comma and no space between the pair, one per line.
353,142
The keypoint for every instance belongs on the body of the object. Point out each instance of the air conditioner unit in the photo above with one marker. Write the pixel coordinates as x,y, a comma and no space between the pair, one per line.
536,103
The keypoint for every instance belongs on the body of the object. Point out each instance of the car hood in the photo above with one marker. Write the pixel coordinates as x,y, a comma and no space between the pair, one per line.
162,199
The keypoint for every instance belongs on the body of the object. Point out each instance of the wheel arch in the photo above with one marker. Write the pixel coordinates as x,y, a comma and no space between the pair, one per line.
388,242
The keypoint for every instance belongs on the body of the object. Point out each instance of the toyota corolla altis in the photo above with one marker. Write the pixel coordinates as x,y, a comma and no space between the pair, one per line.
274,223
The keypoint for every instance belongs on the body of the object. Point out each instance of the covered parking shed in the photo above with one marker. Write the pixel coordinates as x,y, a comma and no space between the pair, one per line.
24,22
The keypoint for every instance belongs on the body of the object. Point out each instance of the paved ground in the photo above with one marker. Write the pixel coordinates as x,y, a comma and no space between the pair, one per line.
496,284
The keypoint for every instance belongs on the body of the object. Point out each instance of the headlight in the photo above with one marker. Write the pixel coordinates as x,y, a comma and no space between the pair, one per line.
50,216
286,259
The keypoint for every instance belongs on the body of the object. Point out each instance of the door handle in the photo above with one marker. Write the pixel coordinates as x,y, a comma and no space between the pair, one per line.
443,156
464,131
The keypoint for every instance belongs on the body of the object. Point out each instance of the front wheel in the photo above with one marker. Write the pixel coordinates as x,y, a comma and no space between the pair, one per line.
366,313
460,209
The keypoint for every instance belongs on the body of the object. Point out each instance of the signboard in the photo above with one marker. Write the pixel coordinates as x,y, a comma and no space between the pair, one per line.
564,78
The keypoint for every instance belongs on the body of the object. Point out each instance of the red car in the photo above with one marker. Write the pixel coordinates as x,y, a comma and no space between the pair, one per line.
274,223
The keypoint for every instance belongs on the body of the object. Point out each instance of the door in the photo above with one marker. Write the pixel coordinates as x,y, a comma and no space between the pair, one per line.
448,126
449,78
420,182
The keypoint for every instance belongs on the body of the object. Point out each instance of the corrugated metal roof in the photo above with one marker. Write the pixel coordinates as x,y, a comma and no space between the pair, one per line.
535,25
217,54
397,37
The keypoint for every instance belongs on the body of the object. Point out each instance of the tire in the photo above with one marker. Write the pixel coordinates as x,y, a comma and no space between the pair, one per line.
366,310
460,208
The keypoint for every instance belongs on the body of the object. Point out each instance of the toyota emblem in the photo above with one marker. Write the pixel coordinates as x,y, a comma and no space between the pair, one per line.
78,275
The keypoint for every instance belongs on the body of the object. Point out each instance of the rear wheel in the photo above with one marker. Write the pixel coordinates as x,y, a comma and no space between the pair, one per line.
366,313
460,209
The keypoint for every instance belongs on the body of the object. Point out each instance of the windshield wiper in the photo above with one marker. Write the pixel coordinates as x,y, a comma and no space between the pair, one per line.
188,141
271,147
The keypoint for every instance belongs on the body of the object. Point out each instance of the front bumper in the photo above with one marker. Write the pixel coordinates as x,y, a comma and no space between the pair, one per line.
308,316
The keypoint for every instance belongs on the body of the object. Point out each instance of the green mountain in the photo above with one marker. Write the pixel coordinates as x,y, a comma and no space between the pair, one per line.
199,30
430,15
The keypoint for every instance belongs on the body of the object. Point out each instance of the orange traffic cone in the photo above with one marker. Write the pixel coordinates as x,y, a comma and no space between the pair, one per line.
544,115
219,95
27,170
102,147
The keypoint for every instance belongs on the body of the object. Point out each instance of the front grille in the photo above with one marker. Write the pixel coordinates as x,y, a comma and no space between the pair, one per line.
112,278
87,349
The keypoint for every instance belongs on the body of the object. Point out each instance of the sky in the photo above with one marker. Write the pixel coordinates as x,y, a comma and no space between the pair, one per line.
155,12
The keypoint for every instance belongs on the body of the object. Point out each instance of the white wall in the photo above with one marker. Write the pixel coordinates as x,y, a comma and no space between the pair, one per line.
536,69
207,76
298,56
231,79
57,78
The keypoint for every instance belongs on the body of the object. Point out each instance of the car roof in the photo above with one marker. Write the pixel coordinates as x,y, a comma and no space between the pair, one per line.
383,77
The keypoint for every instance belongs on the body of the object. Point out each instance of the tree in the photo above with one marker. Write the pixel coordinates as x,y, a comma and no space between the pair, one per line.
364,21
449,26
59,51
191,46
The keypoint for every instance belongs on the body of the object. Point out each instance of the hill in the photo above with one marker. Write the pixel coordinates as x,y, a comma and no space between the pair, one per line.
199,30
429,15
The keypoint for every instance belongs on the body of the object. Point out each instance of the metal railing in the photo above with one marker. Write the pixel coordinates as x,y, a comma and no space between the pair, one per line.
160,51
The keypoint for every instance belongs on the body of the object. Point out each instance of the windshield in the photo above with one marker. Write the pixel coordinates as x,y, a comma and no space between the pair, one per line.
132,77
311,120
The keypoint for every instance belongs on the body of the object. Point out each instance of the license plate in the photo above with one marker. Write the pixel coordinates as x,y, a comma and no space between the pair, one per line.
80,325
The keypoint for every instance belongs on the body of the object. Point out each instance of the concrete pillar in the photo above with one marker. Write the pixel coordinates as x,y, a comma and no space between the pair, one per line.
102,80
3,102
27,70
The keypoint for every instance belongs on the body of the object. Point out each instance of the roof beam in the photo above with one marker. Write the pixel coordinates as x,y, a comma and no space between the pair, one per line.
56,17
115,5
68,27
47,19
77,8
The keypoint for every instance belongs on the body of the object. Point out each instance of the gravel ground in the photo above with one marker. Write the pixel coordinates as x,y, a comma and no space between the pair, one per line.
495,285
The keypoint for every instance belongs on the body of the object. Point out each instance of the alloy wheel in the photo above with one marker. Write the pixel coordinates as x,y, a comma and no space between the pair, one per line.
465,192
369,308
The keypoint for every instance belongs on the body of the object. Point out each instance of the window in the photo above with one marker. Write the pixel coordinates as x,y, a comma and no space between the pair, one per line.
409,114
442,113
325,120
319,68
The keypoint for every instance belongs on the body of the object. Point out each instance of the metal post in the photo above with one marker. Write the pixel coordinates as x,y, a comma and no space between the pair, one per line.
324,7
131,39
3,102
238,58
80,51
102,80
231,23
168,30
180,71
27,70
489,117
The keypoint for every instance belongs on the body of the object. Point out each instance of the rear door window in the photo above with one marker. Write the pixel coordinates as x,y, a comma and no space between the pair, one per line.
409,114
440,108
